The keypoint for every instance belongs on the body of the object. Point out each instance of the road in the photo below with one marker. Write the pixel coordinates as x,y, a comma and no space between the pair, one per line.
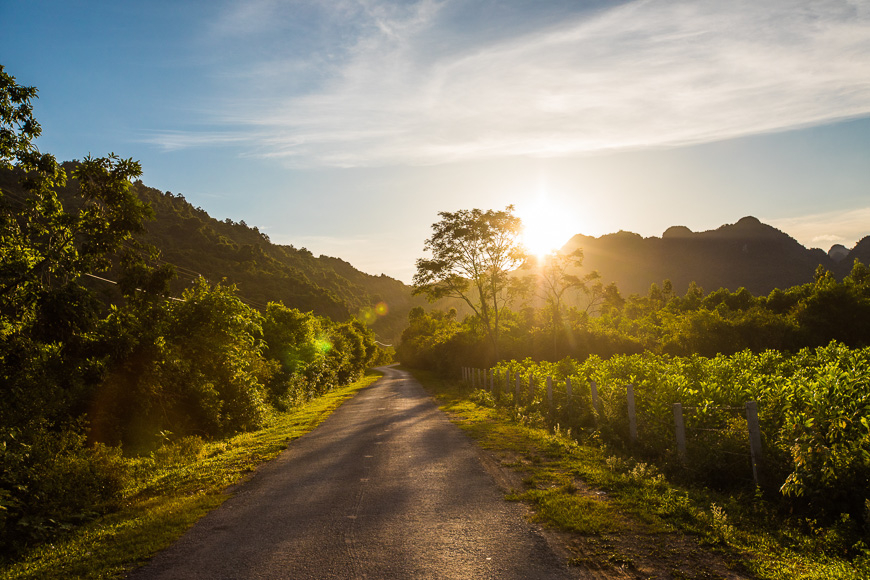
385,488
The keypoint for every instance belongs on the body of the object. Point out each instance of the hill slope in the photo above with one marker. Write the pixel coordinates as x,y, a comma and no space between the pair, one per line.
199,245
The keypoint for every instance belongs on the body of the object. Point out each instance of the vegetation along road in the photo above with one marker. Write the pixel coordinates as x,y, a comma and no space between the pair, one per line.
387,487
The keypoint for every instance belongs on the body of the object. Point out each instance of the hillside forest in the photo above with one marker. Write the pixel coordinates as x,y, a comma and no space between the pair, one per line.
109,351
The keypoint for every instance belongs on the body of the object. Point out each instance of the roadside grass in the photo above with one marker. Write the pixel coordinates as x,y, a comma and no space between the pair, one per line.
618,512
170,491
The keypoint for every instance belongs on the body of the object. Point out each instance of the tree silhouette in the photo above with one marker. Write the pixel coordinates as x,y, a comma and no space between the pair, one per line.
472,253
552,279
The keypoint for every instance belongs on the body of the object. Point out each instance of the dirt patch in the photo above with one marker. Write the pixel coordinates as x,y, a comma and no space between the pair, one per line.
634,552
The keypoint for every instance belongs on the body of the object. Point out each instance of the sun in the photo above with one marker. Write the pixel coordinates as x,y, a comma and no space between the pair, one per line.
546,227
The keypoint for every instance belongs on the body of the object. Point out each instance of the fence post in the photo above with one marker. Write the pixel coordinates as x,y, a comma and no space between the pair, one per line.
754,438
531,387
568,393
680,431
517,398
596,403
632,418
550,394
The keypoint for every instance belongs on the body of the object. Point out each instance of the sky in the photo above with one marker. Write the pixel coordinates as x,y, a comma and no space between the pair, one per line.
345,126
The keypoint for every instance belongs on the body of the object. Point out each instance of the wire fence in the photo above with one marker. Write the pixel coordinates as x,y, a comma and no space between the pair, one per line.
696,435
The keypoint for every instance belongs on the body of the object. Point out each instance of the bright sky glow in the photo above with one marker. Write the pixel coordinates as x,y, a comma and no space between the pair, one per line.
345,126
546,227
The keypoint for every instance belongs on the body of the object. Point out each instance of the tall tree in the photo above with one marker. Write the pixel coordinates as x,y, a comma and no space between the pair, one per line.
472,253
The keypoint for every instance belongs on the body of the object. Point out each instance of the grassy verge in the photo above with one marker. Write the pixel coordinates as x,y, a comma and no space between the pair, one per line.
170,495
611,511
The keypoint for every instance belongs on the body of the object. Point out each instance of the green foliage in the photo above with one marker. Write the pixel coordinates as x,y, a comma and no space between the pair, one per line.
51,480
85,373
662,322
813,409
166,493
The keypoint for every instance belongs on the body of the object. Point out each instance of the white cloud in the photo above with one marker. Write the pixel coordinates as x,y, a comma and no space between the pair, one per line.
649,73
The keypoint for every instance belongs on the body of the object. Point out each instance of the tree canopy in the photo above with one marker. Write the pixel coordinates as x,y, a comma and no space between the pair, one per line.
472,253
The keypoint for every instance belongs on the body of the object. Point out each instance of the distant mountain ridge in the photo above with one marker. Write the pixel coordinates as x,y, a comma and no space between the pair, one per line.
747,254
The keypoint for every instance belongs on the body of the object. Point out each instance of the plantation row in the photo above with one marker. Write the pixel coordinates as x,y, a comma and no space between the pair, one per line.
813,410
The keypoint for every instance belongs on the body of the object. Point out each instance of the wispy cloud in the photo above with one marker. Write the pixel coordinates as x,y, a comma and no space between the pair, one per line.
410,87
175,140
823,230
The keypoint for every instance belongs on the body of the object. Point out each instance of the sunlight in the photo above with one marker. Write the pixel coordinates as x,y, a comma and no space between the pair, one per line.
546,227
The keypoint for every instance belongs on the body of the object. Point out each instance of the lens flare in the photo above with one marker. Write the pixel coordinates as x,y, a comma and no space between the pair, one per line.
382,309
367,315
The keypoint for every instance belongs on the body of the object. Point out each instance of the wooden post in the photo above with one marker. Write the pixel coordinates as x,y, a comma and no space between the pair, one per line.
596,402
754,438
632,418
550,394
680,431
531,386
517,398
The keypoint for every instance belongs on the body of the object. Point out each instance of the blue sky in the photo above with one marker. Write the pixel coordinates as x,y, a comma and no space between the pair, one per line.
345,126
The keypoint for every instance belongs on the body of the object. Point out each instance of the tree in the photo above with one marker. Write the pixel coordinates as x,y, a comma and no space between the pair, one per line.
472,253
18,128
552,280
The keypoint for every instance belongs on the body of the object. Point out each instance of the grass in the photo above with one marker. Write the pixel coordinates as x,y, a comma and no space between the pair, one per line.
617,512
168,497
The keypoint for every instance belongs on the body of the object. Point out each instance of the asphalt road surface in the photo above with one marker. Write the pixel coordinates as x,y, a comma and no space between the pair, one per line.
385,488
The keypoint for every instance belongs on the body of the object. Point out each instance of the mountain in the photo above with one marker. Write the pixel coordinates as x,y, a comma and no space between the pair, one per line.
861,252
199,245
747,254
838,252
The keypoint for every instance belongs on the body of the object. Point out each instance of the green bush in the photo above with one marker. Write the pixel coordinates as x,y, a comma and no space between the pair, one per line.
52,480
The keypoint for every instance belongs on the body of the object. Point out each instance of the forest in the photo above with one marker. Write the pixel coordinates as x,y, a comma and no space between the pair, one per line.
105,357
